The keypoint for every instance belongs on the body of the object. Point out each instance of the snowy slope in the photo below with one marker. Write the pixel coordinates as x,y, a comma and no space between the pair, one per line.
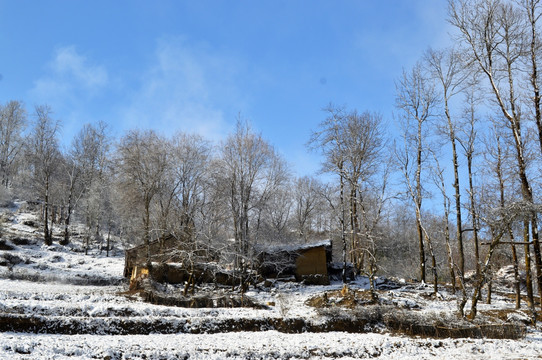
83,296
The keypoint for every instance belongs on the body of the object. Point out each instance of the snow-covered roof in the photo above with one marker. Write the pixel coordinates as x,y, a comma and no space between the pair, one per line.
294,247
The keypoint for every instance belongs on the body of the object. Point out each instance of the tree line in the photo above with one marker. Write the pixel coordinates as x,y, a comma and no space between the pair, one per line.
453,198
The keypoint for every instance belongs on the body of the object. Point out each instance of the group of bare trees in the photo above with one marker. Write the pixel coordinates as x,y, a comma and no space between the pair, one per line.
473,111
228,198
36,167
470,120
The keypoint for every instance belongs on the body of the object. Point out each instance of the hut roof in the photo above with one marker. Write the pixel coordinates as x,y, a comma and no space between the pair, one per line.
295,247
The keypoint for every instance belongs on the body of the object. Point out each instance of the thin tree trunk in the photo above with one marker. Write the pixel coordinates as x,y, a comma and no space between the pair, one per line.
433,266
528,279
343,229
147,234
418,200
474,215
516,274
489,291
108,240
448,246
533,18
68,218
459,229
46,232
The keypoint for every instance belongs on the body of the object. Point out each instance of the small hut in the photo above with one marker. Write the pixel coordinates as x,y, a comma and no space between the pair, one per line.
174,261
300,260
161,250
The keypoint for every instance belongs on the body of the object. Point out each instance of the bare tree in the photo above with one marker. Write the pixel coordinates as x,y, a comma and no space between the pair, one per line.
12,124
84,165
328,141
438,178
363,144
189,168
248,171
448,68
372,200
416,99
274,219
43,155
468,141
142,162
352,145
306,203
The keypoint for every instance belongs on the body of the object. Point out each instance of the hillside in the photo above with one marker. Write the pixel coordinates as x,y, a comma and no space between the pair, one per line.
57,302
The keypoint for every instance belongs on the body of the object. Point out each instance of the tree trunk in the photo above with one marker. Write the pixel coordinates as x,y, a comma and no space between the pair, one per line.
421,246
434,267
418,201
533,18
474,215
343,229
534,49
46,232
450,260
528,279
108,240
446,208
516,274
147,234
67,219
354,225
489,291
459,226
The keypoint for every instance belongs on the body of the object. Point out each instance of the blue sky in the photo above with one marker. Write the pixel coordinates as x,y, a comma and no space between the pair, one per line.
195,65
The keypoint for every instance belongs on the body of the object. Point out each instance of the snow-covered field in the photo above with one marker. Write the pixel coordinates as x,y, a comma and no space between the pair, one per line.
83,296
261,345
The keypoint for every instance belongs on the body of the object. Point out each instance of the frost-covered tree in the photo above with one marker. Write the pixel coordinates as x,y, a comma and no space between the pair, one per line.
84,165
142,162
13,121
43,157
247,172
416,100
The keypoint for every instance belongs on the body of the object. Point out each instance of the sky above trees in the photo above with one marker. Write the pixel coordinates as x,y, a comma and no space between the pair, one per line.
195,65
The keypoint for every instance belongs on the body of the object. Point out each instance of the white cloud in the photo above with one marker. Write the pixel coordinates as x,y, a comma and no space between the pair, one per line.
187,87
70,65
69,77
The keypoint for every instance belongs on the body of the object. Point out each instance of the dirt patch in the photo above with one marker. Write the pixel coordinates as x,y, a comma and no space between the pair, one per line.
345,298
200,300
20,241
30,223
490,331
5,246
156,293
350,311
145,326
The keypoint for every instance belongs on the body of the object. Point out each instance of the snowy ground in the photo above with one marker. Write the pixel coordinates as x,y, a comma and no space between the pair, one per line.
65,286
261,345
